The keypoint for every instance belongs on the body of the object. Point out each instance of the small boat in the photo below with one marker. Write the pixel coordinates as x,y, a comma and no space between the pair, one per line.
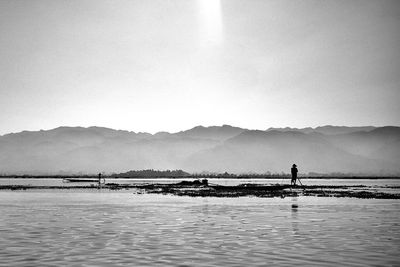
80,180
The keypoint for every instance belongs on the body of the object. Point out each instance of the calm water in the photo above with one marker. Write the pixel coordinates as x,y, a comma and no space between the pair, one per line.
103,228
59,182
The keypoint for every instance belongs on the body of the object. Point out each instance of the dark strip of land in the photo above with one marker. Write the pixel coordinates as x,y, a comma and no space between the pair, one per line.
197,189
357,191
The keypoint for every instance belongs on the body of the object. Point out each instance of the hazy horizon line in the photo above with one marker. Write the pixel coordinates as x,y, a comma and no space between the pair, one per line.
196,126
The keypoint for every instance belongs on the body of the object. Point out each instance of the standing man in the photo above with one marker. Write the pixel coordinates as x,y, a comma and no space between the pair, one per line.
294,174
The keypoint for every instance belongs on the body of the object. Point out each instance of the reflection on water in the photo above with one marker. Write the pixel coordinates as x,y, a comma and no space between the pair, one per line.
120,228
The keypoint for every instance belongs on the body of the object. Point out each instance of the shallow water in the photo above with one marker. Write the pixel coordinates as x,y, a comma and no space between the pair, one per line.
103,228
230,182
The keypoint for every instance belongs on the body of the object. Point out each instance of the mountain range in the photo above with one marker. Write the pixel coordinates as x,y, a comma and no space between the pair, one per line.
326,149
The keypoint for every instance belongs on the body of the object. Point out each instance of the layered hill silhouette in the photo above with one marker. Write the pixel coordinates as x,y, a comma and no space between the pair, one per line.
327,149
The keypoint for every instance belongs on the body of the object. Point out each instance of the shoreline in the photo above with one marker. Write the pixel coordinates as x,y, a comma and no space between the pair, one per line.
253,190
201,177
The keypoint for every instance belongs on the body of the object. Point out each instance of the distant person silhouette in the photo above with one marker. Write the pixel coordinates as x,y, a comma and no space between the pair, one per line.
294,175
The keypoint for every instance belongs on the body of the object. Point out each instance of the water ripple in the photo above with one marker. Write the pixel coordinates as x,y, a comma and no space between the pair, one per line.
120,229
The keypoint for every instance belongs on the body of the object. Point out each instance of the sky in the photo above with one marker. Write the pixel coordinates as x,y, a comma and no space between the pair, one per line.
169,65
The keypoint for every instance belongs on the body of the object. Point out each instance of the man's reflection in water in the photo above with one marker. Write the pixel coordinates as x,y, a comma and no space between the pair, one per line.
204,211
295,222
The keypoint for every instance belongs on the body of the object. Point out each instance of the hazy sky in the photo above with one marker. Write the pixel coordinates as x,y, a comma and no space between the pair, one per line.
171,65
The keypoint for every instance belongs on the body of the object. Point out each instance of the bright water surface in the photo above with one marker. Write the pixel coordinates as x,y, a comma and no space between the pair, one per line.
118,228
347,181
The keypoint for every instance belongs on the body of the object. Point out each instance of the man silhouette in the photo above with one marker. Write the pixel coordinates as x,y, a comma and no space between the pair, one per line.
294,175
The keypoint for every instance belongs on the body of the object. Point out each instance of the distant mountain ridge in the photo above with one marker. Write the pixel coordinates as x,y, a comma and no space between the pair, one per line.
328,129
368,150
